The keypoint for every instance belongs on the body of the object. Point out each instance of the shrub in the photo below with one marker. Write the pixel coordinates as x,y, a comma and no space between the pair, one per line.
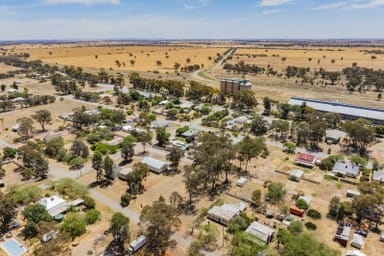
125,199
69,187
296,227
25,194
91,216
301,203
314,214
310,226
73,226
89,202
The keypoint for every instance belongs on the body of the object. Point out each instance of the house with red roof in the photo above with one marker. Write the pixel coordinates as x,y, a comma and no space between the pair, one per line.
306,160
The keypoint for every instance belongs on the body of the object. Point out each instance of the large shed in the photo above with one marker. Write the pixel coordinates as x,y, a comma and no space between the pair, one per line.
155,165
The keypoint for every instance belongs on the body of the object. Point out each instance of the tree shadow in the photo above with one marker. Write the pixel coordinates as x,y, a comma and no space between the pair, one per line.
124,162
114,249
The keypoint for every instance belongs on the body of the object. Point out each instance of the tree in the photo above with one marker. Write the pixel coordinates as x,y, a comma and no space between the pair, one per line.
290,148
43,117
53,146
303,132
120,228
256,197
25,127
97,164
334,207
174,157
127,150
361,134
79,148
275,192
244,100
284,109
281,127
8,211
33,160
135,178
36,213
250,148
108,168
73,225
9,153
160,221
267,106
259,126
145,138
162,136
243,245
195,249
191,180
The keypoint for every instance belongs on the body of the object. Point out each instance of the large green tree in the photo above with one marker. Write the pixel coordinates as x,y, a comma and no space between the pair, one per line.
250,148
8,211
160,221
120,228
43,117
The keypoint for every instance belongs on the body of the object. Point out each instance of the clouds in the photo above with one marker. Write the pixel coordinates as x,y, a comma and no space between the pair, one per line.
265,3
87,2
351,4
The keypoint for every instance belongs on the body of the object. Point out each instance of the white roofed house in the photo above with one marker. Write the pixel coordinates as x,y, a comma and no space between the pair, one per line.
378,176
54,205
261,231
225,213
346,168
155,165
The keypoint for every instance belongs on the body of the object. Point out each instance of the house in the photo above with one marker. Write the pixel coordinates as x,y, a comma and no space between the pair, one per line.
357,241
342,233
241,182
261,231
124,172
296,175
160,124
346,168
54,205
225,213
190,135
180,144
155,165
378,176
306,160
346,111
334,136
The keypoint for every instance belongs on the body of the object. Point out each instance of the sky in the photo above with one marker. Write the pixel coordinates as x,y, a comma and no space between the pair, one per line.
191,19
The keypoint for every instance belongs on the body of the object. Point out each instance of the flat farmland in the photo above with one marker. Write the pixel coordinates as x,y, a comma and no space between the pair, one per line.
329,58
135,58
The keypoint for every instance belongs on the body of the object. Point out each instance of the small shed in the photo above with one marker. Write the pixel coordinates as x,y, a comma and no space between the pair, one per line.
241,182
352,193
357,241
1,183
124,172
155,165
296,175
378,176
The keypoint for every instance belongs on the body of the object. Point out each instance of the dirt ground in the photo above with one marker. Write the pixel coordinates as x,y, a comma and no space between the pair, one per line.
56,108
300,57
5,68
145,57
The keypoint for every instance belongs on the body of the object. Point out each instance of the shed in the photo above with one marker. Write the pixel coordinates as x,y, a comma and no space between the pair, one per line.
357,241
124,172
225,213
241,182
76,202
155,165
306,160
334,136
354,253
307,199
261,231
1,183
346,168
352,193
296,175
378,176
342,233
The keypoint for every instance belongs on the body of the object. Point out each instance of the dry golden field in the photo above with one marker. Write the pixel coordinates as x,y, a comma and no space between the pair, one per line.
329,58
145,57
6,68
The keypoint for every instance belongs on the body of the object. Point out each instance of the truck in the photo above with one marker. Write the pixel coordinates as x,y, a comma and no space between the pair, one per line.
135,245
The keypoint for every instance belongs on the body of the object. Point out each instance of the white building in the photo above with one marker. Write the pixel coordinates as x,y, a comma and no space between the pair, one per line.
261,231
225,213
54,205
155,165
296,175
